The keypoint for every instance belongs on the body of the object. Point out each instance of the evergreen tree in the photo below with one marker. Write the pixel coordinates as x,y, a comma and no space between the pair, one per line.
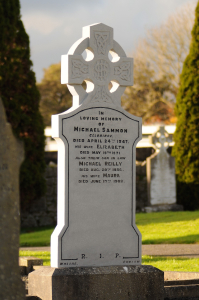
186,137
21,99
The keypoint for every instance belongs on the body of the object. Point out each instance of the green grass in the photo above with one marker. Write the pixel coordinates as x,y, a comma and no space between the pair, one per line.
162,263
45,255
169,227
172,264
157,228
36,237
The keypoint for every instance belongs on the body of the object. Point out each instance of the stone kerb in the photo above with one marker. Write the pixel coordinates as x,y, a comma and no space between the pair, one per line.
96,158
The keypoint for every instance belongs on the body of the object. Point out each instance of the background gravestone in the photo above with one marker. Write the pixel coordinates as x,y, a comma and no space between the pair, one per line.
11,156
161,178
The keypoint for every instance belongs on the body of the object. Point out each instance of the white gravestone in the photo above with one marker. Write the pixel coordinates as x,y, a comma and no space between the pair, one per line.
161,171
96,158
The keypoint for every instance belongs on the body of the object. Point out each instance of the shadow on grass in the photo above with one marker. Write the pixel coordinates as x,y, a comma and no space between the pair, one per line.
36,237
166,217
187,239
36,229
146,259
35,243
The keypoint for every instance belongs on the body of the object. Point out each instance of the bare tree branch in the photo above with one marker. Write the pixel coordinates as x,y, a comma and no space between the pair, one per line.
158,63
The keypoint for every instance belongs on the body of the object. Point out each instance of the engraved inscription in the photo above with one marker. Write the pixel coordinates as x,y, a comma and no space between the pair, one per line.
3,167
116,255
72,264
100,154
6,188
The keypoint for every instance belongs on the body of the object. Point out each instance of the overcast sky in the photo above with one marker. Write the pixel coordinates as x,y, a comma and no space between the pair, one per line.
54,25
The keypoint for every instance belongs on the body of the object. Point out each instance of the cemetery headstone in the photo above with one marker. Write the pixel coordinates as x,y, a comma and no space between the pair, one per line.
96,158
161,174
96,246
11,157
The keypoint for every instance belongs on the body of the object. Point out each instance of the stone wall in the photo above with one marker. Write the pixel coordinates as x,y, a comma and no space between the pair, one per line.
43,212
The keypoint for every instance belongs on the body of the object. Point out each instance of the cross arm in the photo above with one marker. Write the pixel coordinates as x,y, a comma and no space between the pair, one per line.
123,71
73,66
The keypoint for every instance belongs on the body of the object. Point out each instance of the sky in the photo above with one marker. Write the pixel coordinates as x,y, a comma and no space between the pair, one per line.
54,26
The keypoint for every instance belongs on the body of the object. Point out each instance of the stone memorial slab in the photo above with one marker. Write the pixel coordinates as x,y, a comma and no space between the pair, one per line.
161,171
96,158
11,157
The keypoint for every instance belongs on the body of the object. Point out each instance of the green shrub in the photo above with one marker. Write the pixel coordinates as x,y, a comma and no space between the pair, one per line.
186,137
21,99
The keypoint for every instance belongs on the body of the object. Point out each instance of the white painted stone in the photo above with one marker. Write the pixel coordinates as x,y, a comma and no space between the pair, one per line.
161,171
96,158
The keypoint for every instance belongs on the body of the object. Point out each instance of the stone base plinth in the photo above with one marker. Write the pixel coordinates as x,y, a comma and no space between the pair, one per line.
90,283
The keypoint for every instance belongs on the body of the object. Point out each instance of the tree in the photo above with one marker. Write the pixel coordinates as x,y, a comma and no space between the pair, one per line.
186,137
158,63
147,98
21,99
55,97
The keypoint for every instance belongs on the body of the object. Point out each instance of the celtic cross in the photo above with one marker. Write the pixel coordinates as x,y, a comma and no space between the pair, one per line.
161,139
106,65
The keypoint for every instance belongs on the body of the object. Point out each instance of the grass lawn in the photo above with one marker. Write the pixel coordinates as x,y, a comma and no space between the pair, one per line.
172,264
157,228
162,263
36,237
45,255
180,227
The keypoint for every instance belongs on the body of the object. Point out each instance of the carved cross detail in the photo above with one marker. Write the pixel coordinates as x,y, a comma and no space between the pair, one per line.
98,70
161,139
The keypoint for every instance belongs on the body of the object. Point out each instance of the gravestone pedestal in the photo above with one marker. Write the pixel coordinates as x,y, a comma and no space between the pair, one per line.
107,283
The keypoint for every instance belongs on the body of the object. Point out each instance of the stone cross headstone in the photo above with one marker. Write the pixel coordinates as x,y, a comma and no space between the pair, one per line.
11,157
96,158
161,171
